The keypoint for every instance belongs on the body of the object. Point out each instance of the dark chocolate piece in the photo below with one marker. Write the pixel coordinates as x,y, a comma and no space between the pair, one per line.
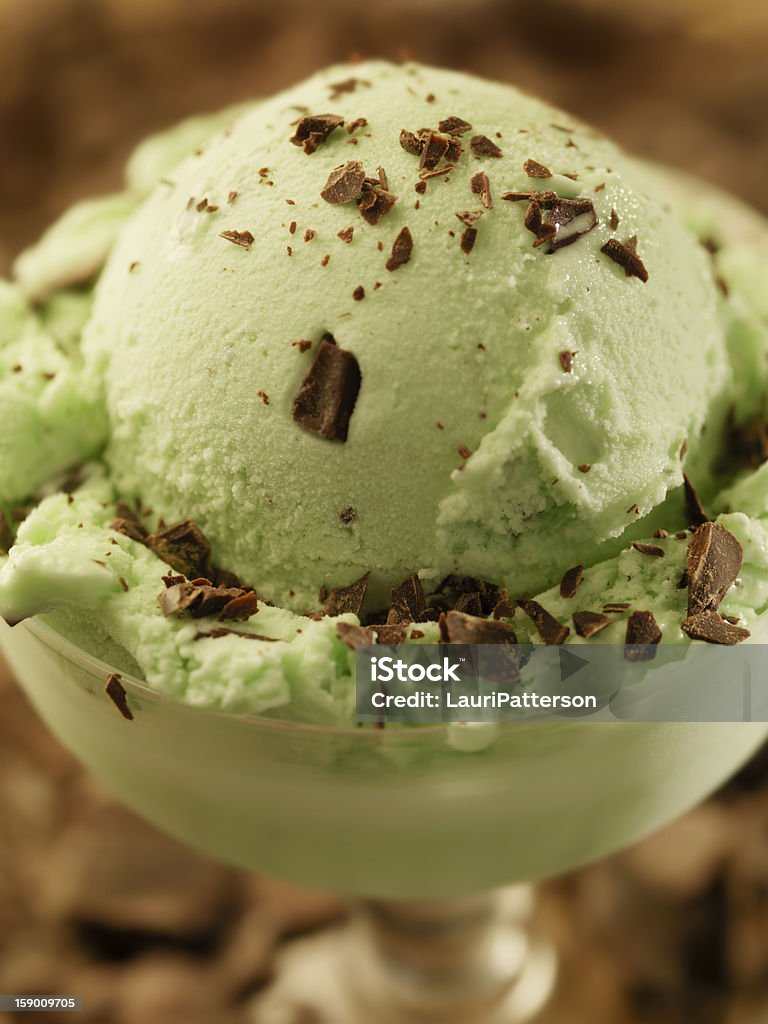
347,599
346,234
313,130
201,599
589,623
359,122
571,580
469,217
468,239
481,145
411,144
642,635
402,249
344,184
714,629
481,186
534,169
615,607
327,395
454,126
693,507
243,238
128,523
625,255
115,690
547,626
714,563
566,361
459,628
407,602
375,201
183,546
648,549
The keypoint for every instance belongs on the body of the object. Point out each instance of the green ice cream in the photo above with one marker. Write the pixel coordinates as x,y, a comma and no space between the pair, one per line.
533,340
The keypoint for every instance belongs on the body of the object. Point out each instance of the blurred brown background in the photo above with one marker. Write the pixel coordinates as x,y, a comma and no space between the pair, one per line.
674,931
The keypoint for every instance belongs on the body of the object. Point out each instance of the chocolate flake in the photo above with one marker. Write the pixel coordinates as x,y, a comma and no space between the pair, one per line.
411,144
356,637
232,197
243,238
220,631
547,626
435,149
504,607
642,635
625,255
402,249
420,187
346,234
313,130
648,549
589,623
183,546
566,361
342,600
115,690
375,201
468,239
615,607
572,219
359,293
359,122
348,515
344,183
571,580
714,563
469,217
481,186
460,628
693,507
584,467
128,523
327,395
481,145
407,602
454,126
712,628
348,85
201,598
534,169
614,221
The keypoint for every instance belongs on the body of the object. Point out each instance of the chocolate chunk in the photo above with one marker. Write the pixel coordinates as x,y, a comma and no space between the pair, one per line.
518,197
566,361
375,201
242,606
359,293
348,599
643,631
348,515
346,234
572,219
468,239
243,238
648,549
347,85
201,599
481,186
571,580
454,126
547,626
460,628
534,222
353,126
344,184
584,467
694,510
313,130
182,546
714,563
615,606
614,221
402,249
115,690
481,145
534,169
589,623
712,628
355,636
436,147
469,217
411,144
625,255
327,395
407,602
470,604
747,443
389,633
128,523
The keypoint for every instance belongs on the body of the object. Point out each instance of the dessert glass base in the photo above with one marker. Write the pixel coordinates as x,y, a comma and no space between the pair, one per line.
414,821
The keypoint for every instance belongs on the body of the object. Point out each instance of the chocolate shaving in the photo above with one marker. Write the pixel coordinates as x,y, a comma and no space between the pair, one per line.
534,222
348,85
566,361
243,238
375,201
504,607
571,580
459,628
468,239
128,523
589,623
436,148
648,549
346,234
572,219
481,186
407,602
481,145
327,395
712,628
714,563
411,144
625,255
115,690
470,604
342,600
547,626
454,126
642,635
356,637
201,599
344,184
183,546
402,249
241,607
359,122
615,606
534,169
614,221
469,217
694,510
313,130
359,293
